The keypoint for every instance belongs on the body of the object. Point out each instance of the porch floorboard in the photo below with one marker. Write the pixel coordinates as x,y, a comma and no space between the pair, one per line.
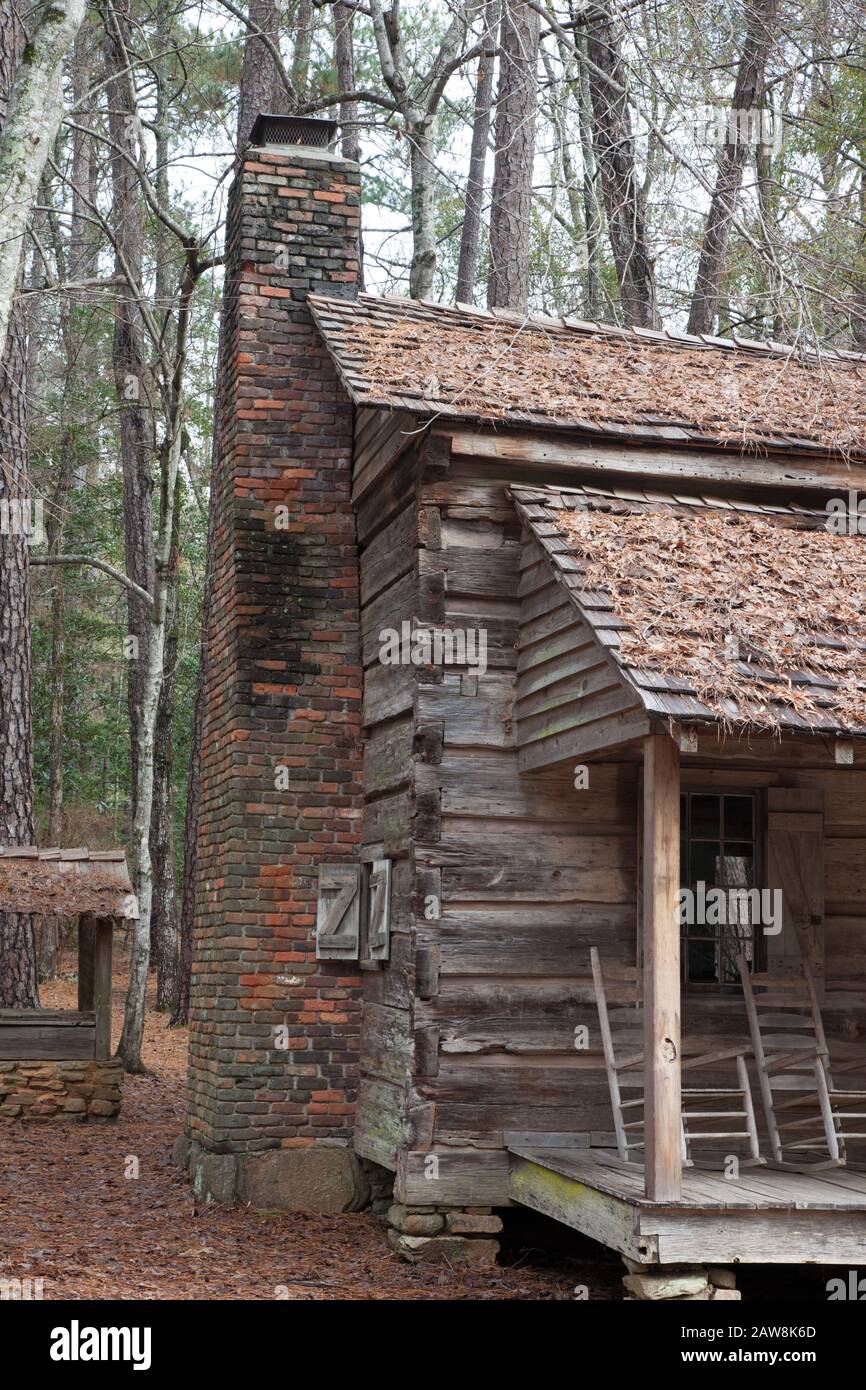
764,1216
756,1188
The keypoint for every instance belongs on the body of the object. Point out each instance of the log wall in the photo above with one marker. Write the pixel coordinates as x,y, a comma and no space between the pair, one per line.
503,879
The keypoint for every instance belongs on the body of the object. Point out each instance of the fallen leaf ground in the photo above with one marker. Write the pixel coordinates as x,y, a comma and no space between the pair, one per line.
70,1215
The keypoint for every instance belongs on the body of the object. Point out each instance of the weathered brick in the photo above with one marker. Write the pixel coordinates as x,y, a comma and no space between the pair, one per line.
283,681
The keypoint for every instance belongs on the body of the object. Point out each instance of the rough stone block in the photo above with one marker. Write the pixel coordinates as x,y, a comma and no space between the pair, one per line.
180,1151
315,1179
415,1223
443,1249
214,1178
465,1223
103,1108
669,1285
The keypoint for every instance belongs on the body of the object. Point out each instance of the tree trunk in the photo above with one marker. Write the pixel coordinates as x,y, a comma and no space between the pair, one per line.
261,86
596,304
18,988
193,787
164,911
470,238
80,263
303,45
760,27
32,109
129,1045
423,176
350,134
858,312
511,198
623,200
18,978
131,384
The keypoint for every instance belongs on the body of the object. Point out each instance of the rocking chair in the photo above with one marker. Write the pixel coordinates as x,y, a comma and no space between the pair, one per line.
703,1107
807,1112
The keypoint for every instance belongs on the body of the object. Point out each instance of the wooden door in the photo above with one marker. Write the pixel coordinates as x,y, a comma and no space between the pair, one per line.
795,866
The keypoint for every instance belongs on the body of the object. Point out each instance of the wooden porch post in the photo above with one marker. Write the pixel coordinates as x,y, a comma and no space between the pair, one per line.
86,949
94,976
661,947
102,986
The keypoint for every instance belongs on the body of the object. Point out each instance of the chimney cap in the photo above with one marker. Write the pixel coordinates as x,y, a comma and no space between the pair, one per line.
273,129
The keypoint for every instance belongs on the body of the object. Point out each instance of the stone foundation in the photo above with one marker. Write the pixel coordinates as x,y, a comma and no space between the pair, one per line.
444,1234
650,1283
318,1178
81,1090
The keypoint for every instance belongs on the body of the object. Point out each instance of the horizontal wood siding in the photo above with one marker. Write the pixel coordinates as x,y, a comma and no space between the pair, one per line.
504,878
388,533
528,872
569,693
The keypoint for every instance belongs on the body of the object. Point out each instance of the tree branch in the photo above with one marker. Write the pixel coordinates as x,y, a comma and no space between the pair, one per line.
95,564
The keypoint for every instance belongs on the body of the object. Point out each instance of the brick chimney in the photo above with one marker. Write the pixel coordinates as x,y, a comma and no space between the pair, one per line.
273,1032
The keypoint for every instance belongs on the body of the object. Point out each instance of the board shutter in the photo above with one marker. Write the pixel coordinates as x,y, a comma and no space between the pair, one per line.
795,866
338,915
379,909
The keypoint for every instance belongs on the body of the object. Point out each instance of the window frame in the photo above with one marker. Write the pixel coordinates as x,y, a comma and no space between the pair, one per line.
720,989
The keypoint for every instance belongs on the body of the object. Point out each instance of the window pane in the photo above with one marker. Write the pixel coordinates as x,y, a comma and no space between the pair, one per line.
702,961
704,861
739,818
706,817
738,866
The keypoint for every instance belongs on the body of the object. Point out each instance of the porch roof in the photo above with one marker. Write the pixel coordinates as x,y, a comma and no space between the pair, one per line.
733,613
65,882
456,361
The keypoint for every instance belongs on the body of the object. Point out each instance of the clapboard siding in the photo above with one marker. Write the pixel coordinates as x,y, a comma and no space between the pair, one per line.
568,688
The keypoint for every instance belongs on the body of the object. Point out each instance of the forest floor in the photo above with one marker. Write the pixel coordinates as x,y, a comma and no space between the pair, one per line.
70,1216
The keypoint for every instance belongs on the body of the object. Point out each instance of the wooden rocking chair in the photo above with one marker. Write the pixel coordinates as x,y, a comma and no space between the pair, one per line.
729,1107
795,1076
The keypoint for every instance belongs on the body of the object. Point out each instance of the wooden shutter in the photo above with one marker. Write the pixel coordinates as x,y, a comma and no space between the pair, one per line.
795,864
379,910
338,917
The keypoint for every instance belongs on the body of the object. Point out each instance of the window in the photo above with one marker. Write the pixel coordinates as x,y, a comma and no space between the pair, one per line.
719,851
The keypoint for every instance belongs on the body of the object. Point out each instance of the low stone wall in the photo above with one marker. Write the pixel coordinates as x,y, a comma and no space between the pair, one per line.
82,1090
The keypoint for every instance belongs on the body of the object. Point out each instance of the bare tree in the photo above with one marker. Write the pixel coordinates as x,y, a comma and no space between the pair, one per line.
417,98
168,341
761,16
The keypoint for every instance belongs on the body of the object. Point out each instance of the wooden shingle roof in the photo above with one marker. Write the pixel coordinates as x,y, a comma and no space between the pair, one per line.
465,363
65,882
715,610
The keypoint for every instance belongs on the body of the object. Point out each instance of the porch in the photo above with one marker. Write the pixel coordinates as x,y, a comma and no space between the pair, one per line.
748,724
764,1216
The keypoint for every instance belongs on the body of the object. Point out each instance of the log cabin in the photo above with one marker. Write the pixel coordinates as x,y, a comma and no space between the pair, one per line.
520,628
